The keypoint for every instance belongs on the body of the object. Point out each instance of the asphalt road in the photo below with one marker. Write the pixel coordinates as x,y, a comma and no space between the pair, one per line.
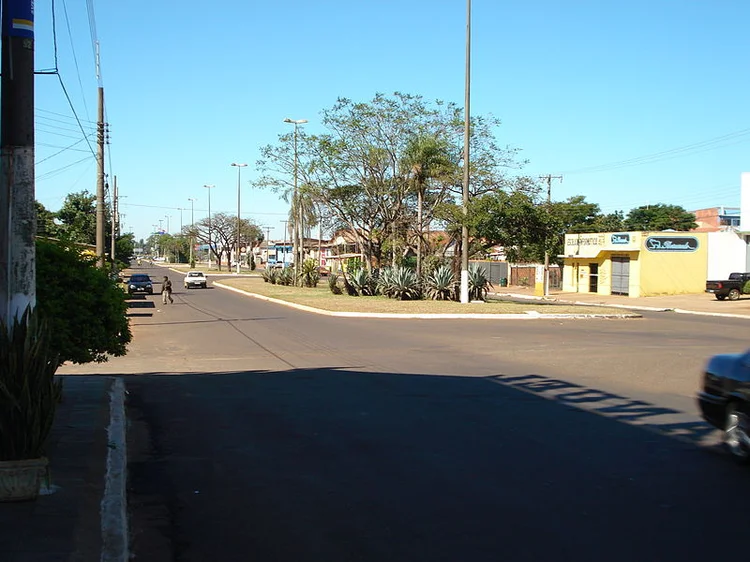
258,432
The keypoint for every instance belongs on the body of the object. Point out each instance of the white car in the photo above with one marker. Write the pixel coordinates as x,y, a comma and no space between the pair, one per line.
195,279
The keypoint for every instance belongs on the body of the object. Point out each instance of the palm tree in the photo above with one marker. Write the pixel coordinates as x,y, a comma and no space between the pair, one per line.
426,157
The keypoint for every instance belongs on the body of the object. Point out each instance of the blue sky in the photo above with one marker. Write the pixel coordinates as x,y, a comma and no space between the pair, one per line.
583,87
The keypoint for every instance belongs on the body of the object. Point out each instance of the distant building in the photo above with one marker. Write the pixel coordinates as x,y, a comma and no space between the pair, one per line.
717,219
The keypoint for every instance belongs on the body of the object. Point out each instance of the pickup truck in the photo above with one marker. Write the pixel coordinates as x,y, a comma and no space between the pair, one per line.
731,288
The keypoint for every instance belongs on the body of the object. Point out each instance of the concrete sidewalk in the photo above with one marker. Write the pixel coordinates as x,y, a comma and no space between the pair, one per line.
65,523
699,303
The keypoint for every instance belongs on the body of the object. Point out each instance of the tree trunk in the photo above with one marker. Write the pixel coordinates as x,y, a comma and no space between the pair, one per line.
419,232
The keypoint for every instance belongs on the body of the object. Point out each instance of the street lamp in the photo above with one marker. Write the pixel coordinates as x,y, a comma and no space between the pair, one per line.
209,187
192,226
239,172
464,292
296,205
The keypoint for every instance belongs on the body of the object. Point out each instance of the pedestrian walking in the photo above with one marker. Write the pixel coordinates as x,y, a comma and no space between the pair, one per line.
166,291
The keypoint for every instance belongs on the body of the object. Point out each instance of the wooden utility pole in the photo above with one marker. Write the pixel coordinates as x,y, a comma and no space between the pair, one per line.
548,178
100,180
17,209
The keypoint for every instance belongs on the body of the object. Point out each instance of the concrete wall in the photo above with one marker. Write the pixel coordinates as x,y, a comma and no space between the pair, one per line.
727,252
745,202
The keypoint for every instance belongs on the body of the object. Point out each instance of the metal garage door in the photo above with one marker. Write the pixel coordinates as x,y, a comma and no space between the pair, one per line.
620,275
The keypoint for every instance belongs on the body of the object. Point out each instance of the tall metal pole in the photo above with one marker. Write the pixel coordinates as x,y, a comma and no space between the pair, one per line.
17,210
209,187
467,138
192,226
239,172
284,246
100,180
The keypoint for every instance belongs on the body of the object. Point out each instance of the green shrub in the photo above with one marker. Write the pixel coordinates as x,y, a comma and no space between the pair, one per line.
400,283
309,276
84,307
266,275
440,285
479,284
28,392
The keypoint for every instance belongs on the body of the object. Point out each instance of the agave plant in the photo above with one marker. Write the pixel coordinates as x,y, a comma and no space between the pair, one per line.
361,282
28,392
479,284
333,284
309,276
285,276
440,285
266,275
400,283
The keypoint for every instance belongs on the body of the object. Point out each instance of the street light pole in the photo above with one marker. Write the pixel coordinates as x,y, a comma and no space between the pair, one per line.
299,246
467,136
192,226
239,172
209,187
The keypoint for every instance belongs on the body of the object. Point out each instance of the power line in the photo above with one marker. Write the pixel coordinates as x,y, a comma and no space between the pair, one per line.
702,146
53,173
70,103
61,151
75,58
64,115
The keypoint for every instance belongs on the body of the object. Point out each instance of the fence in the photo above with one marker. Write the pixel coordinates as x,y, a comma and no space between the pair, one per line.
525,275
495,270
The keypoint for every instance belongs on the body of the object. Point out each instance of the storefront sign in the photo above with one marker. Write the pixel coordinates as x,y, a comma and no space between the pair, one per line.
585,240
620,238
671,244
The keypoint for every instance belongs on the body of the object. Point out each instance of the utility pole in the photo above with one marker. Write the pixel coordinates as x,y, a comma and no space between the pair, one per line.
268,241
192,226
464,289
548,178
17,210
100,180
286,222
115,220
209,187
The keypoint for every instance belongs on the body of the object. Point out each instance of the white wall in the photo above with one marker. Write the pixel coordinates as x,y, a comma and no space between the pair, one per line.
745,202
726,252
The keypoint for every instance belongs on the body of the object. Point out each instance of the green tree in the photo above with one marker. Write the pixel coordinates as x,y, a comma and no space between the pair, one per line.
660,217
85,308
78,217
45,222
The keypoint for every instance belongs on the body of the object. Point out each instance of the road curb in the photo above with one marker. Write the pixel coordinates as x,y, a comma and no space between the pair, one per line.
114,520
389,315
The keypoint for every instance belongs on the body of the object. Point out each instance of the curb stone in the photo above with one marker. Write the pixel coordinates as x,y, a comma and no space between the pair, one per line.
114,518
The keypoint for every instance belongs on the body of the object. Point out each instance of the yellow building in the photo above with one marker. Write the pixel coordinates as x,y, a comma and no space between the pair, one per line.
638,264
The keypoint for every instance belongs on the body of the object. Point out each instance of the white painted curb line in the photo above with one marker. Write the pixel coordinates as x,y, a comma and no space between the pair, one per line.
531,315
114,515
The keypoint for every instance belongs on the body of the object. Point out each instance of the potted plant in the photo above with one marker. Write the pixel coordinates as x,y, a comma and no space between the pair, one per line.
28,399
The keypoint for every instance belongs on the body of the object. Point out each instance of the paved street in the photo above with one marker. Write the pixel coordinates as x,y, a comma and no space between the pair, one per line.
258,432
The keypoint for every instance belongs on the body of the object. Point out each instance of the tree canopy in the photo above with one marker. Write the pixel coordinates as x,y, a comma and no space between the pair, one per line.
660,217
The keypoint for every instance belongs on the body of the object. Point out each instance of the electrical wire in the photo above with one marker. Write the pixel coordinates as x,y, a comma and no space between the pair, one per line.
64,115
61,151
53,173
75,59
686,150
70,103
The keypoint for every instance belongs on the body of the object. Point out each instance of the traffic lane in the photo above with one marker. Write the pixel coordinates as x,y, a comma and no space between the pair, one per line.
344,465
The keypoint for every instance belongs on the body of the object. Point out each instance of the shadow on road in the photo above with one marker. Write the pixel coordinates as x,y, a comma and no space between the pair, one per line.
327,464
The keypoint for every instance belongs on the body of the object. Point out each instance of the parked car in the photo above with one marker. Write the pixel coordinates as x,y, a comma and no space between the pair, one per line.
195,279
140,283
725,400
730,288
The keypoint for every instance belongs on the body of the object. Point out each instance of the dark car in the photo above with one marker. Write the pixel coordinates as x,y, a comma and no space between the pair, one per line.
140,283
725,400
731,288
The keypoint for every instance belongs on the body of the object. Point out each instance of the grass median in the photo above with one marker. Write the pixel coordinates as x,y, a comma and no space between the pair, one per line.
322,298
